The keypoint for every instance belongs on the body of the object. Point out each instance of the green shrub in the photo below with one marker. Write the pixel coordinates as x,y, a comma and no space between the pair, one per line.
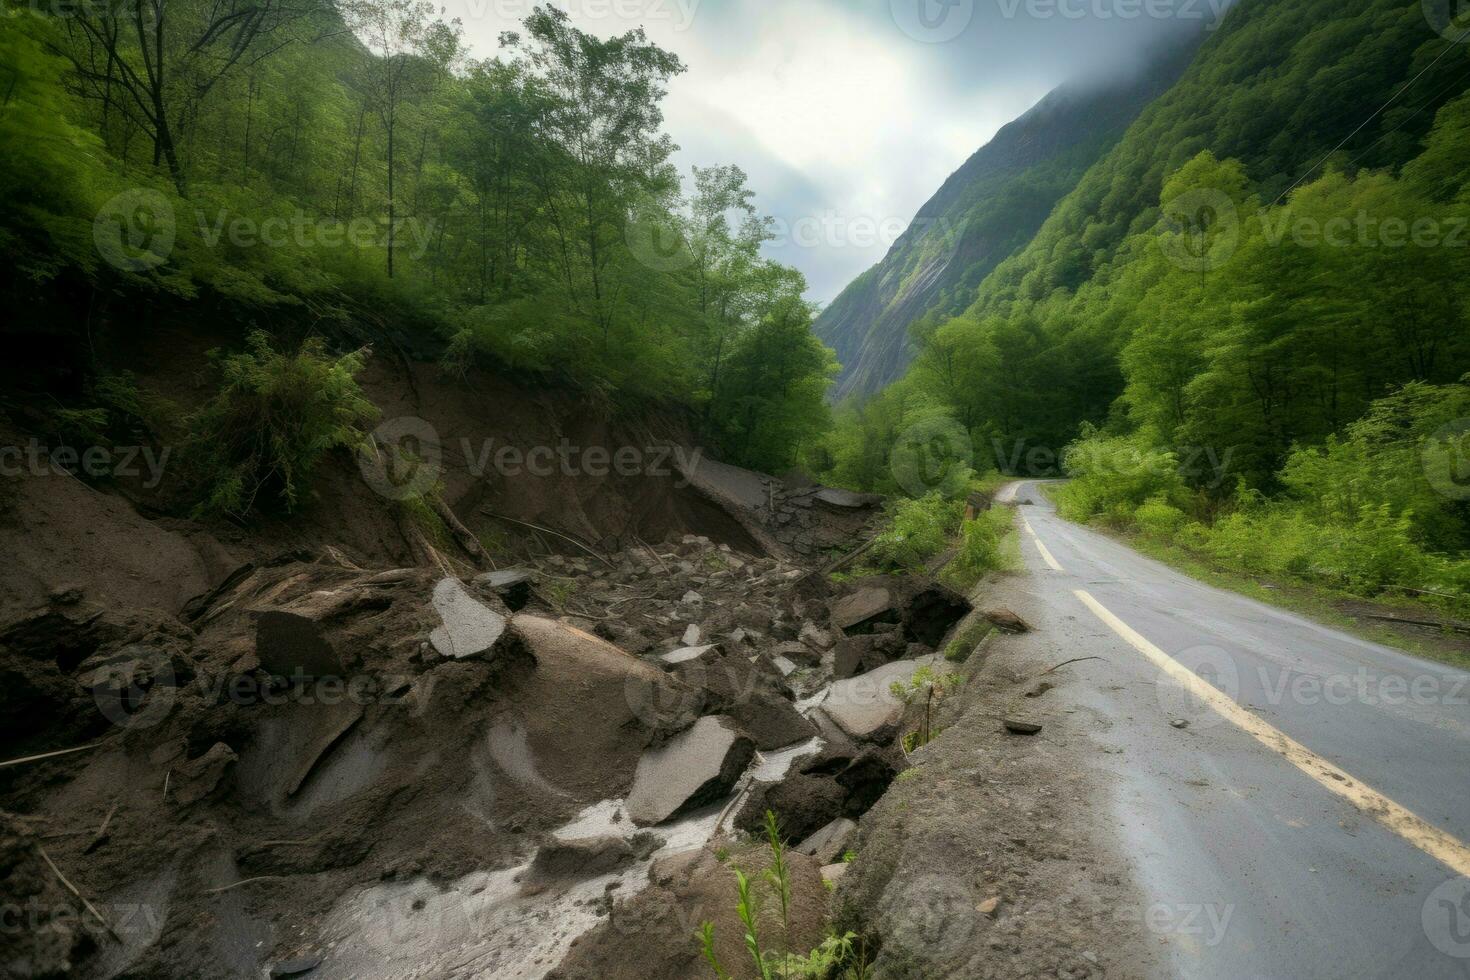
981,548
1159,518
256,442
919,530
1112,477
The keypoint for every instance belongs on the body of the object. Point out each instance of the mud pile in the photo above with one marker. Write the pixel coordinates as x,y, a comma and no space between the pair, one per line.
326,769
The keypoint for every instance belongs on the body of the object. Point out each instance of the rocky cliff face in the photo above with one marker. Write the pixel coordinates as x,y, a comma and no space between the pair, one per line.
985,211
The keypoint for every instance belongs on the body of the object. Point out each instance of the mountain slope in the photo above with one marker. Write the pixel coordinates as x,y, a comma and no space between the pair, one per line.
1276,87
983,213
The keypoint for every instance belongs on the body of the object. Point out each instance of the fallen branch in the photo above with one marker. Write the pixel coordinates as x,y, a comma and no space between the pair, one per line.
101,836
47,755
73,889
237,884
1452,627
547,530
653,553
1076,660
467,541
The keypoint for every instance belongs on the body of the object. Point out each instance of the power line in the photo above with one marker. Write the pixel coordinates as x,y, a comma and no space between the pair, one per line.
1374,116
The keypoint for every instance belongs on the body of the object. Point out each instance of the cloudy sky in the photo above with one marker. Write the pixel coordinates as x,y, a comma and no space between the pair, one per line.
849,114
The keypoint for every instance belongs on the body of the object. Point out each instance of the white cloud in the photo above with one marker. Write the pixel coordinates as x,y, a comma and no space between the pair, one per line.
837,116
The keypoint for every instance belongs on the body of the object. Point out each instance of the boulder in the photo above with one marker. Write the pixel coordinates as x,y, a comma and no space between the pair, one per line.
589,710
923,607
752,692
695,768
815,637
798,653
865,652
830,843
858,611
864,707
470,628
803,804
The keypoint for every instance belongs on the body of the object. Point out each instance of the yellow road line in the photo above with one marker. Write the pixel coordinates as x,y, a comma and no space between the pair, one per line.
1046,555
1449,851
1041,549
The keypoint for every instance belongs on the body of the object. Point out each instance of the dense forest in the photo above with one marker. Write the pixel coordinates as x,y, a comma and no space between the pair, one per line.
1239,327
346,172
1252,311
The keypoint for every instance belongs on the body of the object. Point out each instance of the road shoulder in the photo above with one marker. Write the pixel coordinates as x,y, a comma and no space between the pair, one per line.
992,857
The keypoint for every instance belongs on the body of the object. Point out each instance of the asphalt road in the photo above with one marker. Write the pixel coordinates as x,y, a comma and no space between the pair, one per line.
1305,815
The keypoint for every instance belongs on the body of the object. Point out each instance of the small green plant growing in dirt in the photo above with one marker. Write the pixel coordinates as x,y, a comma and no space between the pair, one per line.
834,954
928,686
559,591
273,420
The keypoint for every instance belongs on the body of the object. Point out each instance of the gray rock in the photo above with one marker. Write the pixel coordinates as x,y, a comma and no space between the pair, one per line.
863,607
686,654
513,585
846,499
814,636
696,767
830,843
470,628
691,635
864,707
504,578
859,654
797,652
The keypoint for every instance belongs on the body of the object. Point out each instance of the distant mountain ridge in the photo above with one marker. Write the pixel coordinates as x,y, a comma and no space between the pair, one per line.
987,210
